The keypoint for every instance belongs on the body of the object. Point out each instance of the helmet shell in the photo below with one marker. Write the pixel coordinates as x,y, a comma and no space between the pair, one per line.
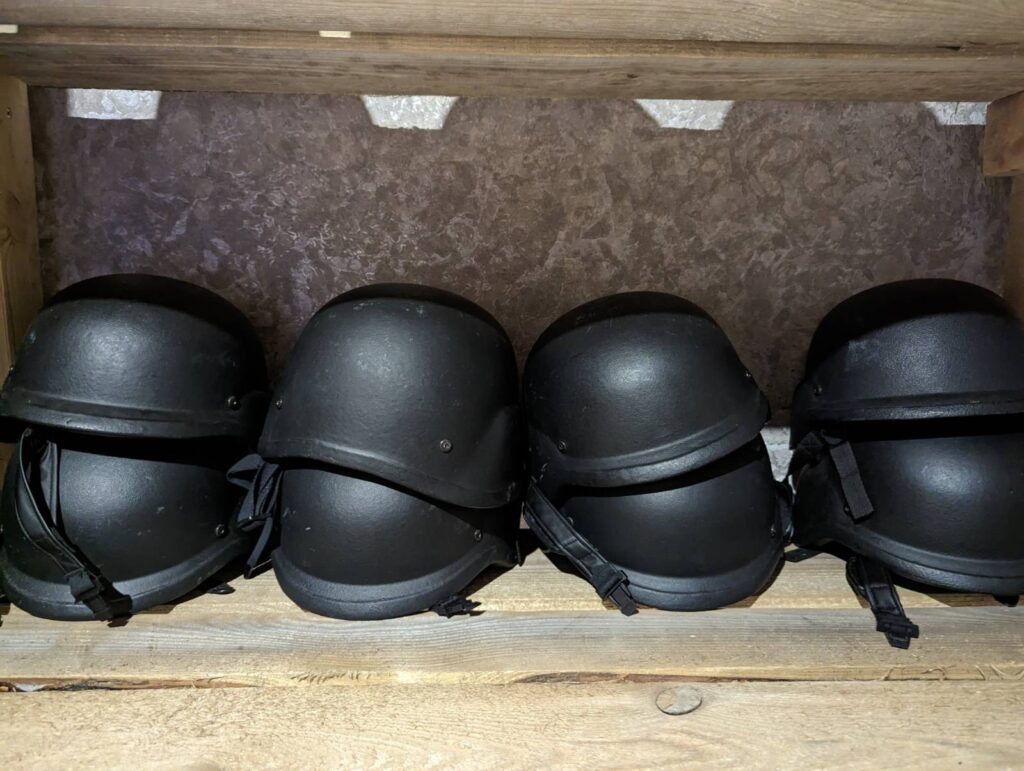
156,522
702,540
947,505
354,547
412,385
633,388
898,352
138,356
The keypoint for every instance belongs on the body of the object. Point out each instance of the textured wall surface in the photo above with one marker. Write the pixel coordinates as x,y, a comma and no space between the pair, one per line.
528,207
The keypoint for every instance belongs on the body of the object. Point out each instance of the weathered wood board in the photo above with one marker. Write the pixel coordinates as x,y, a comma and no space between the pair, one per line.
922,23
592,725
538,624
223,60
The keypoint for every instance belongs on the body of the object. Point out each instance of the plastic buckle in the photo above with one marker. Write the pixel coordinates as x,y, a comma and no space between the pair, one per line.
614,586
898,630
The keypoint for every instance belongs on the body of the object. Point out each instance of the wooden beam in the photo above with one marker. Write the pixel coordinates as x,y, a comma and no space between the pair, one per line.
462,66
1013,287
871,22
1003,154
538,625
20,293
617,725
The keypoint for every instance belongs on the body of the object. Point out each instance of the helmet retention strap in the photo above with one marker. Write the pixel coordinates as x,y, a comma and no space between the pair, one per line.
36,497
262,483
856,501
558,534
872,581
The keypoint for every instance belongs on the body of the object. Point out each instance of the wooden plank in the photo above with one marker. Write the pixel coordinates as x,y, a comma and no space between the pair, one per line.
257,637
923,22
769,725
471,66
1014,276
20,290
1003,154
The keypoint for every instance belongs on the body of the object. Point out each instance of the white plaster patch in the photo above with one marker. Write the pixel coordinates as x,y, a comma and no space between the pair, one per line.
777,441
102,104
958,113
409,112
693,114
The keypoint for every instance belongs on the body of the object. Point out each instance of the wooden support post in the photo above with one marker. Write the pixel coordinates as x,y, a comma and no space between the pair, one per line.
1004,157
1014,279
20,292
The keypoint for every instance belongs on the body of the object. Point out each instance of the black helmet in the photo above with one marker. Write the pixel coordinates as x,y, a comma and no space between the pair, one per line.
909,431
395,451
138,356
649,472
132,396
101,528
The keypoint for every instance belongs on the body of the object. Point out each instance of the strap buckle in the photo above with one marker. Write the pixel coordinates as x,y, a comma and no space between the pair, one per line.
455,605
898,630
613,585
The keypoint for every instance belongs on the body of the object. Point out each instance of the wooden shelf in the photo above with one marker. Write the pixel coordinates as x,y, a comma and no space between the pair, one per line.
692,49
789,676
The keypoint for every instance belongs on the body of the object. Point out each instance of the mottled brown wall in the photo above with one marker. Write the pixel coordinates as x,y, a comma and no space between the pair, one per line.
528,207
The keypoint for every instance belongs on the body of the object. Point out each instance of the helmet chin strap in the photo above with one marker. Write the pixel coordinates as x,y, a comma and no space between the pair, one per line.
557,533
35,500
261,481
872,581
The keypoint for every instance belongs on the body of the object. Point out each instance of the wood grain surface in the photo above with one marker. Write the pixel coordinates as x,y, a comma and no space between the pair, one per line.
591,725
472,66
923,22
537,624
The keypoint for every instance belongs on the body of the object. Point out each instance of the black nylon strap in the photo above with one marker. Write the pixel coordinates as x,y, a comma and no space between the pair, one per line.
856,501
872,581
262,483
555,531
39,466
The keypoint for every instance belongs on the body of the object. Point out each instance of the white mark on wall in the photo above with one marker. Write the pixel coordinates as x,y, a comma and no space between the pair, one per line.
693,114
102,104
958,113
8,29
409,112
777,441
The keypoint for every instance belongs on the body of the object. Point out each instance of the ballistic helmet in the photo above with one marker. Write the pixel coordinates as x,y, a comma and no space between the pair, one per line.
138,356
393,446
130,397
908,432
649,472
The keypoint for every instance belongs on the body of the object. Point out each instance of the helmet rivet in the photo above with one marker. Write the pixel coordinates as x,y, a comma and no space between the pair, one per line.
478,535
747,375
562,446
445,445
233,403
279,403
679,700
220,531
